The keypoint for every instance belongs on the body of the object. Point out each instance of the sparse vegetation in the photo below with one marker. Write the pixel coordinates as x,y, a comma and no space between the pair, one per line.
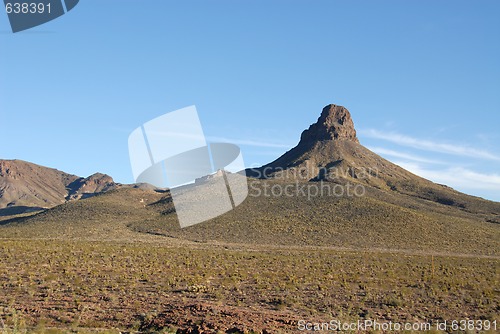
130,286
119,262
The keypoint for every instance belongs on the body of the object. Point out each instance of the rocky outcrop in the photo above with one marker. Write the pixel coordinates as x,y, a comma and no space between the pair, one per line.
331,141
87,187
28,186
335,123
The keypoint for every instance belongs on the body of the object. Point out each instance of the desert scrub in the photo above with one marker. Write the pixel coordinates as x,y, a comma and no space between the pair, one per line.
109,284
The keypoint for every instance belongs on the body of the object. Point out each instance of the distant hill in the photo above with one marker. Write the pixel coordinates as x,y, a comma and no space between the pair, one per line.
26,186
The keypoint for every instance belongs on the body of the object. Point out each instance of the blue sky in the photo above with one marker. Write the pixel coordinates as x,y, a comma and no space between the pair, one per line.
421,79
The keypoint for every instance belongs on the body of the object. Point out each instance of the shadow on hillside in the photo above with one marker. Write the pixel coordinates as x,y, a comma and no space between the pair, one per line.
17,210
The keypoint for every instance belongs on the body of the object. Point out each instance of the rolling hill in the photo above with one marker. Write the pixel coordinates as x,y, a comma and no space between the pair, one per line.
392,209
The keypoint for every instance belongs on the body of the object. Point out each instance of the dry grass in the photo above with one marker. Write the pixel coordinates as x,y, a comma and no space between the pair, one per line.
130,286
379,220
119,261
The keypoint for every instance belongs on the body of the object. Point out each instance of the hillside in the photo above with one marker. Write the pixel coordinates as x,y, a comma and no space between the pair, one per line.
329,230
396,210
27,187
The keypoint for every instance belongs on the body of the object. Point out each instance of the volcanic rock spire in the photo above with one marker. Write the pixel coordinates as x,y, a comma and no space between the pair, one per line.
330,141
334,123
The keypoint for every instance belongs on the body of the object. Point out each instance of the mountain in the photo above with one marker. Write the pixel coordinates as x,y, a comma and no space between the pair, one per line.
329,150
28,187
301,199
89,186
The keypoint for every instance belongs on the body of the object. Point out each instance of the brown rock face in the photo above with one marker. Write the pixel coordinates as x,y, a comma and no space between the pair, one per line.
29,185
94,184
335,123
26,186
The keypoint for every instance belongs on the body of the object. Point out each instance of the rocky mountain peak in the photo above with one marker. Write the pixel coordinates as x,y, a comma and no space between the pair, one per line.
334,123
89,186
331,141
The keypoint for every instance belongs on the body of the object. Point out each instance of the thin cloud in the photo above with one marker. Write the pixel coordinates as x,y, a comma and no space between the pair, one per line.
402,155
456,177
248,142
427,145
